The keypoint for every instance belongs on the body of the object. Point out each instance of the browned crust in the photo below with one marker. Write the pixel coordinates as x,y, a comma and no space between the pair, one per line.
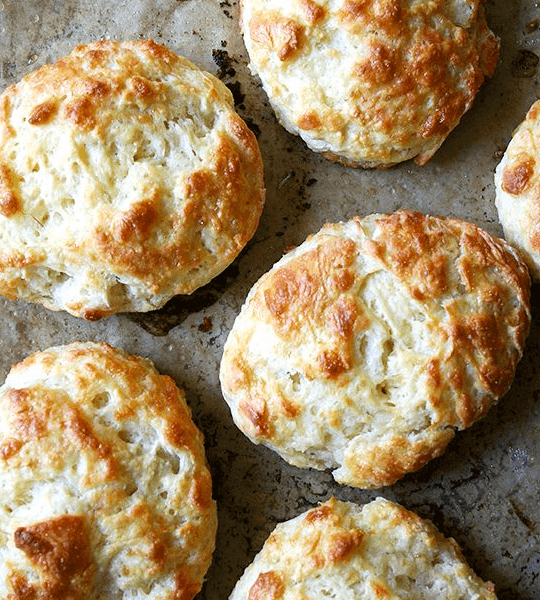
268,586
48,427
389,462
215,196
159,252
60,550
374,546
9,200
43,113
279,34
386,15
344,545
256,412
473,287
413,82
407,73
304,289
415,248
309,121
516,178
312,11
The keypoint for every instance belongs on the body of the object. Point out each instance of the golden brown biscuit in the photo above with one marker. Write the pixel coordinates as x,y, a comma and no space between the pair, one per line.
364,349
370,82
517,186
105,491
346,552
126,177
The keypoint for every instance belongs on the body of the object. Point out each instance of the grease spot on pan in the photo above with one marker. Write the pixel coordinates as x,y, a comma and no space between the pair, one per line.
525,64
160,322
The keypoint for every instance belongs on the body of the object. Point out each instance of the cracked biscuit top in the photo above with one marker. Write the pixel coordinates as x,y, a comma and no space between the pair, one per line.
370,82
126,177
105,490
517,188
342,551
365,348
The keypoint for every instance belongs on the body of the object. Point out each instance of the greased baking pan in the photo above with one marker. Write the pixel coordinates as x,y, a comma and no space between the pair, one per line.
484,491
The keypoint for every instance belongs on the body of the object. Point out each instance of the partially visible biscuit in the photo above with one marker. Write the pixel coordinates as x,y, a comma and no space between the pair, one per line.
126,177
517,186
364,349
343,551
105,490
370,82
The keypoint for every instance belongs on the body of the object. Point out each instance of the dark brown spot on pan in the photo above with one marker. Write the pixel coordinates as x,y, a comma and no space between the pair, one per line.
224,63
177,310
525,64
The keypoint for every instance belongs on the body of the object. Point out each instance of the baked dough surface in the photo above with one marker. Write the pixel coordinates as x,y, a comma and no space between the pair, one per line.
370,82
126,177
517,187
343,551
365,348
105,490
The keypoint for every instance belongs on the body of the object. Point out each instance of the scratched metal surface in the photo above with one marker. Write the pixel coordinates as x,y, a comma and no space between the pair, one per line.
484,491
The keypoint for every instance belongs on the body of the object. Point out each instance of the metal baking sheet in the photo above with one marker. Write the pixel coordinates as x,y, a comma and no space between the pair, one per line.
484,491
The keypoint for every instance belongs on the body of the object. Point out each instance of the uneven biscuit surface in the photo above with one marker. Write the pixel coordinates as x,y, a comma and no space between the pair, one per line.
365,348
370,82
346,552
517,185
126,177
105,491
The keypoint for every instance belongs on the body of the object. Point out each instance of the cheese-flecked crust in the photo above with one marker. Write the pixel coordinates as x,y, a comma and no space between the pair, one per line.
517,187
105,490
126,177
370,82
365,348
346,552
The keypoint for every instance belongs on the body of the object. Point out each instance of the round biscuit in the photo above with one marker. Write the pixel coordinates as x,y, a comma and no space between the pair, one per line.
346,552
126,177
104,487
364,349
370,82
517,188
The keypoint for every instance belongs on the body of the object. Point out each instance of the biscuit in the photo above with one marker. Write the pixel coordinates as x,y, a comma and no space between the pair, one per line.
517,186
105,490
343,551
126,177
364,349
369,82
